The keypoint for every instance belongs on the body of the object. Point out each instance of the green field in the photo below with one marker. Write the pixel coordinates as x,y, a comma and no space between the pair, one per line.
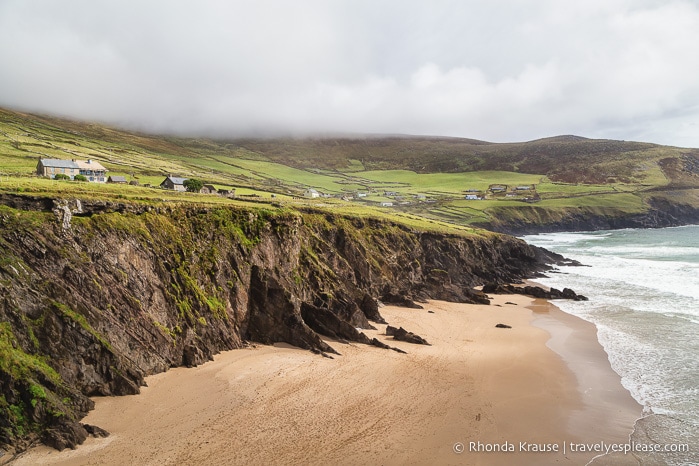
445,183
425,178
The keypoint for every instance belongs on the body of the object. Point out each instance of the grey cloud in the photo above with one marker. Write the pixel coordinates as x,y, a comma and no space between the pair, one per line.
503,70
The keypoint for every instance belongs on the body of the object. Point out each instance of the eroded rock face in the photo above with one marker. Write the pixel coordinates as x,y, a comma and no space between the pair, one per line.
370,307
130,290
64,435
275,315
666,209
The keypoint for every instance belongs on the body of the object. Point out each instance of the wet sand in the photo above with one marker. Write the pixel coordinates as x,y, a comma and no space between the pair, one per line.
477,386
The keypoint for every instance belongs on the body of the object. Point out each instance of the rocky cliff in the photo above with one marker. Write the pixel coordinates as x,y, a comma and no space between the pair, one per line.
666,209
94,296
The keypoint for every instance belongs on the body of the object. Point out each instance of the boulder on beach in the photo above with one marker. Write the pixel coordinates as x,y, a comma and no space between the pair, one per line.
403,335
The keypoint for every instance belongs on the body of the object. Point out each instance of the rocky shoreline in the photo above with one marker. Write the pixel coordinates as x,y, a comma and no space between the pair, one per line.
533,291
93,304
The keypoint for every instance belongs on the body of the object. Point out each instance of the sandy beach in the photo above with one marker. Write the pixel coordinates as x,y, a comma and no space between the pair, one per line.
546,382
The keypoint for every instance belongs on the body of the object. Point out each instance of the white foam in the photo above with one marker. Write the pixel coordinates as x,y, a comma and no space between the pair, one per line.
657,276
664,252
644,299
562,238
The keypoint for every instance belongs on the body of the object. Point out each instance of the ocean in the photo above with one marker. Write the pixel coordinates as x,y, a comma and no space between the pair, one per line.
643,290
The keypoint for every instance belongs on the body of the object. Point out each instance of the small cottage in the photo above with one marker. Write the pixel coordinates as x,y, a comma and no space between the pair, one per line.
472,197
174,183
116,179
387,204
208,189
227,192
311,193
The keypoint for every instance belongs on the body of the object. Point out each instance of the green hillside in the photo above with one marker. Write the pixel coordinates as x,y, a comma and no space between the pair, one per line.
546,180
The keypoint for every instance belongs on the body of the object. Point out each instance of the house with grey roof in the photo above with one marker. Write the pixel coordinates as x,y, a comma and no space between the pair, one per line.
116,179
173,182
53,167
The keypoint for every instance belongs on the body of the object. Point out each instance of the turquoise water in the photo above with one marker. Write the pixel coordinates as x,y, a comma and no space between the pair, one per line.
643,287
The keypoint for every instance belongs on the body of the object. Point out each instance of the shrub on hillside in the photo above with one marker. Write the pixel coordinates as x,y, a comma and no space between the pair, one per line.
192,185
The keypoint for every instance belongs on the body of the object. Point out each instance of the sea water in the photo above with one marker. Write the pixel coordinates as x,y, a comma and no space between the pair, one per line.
643,290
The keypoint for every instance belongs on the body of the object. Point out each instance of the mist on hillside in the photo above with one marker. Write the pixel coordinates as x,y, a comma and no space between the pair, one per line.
490,71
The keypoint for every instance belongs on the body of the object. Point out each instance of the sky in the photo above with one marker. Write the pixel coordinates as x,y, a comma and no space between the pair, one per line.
496,70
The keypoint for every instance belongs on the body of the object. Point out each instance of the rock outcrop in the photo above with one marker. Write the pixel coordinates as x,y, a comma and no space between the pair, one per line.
402,334
93,304
535,291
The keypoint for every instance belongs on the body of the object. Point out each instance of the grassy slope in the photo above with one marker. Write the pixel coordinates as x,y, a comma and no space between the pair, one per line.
568,172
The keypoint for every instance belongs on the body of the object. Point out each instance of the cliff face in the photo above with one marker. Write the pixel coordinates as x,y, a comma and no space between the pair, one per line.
671,208
95,296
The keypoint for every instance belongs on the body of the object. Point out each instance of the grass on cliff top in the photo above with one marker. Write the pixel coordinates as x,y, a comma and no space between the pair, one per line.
83,190
155,196
414,221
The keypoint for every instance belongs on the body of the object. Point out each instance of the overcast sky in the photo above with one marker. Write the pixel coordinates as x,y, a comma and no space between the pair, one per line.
497,70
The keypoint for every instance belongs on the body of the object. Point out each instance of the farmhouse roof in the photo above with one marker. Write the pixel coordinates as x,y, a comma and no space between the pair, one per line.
89,165
177,180
57,163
